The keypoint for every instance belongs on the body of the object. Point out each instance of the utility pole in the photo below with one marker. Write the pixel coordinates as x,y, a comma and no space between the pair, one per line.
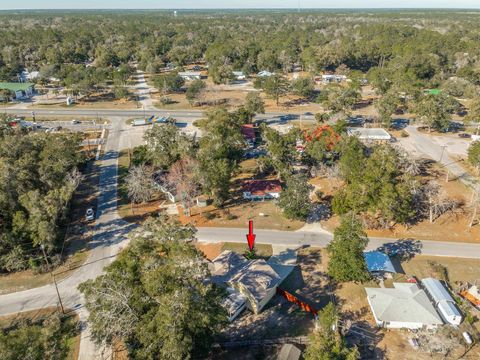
443,150
53,277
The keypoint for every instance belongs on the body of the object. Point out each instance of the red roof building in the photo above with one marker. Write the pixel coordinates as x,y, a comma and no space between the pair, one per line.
261,189
248,132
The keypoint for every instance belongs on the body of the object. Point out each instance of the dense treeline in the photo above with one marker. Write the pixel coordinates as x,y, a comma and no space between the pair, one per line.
38,174
48,338
408,48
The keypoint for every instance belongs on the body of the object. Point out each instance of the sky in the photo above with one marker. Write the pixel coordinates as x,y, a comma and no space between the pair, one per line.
206,4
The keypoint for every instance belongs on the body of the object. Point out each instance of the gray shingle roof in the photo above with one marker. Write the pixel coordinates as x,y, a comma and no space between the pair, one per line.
404,303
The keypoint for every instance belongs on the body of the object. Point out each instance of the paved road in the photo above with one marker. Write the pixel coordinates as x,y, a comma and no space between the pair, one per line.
110,236
186,115
423,145
305,238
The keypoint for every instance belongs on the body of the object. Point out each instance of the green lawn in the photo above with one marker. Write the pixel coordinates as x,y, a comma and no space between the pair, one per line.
262,250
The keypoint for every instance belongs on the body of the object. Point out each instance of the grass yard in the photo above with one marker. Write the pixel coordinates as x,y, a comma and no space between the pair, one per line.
124,207
265,214
458,269
238,212
24,280
212,250
262,250
452,226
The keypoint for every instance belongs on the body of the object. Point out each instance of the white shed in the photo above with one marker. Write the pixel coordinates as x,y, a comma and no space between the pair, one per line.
443,301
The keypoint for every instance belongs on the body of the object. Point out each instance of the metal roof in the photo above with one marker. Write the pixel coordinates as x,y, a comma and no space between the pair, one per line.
15,86
378,261
437,291
448,309
369,133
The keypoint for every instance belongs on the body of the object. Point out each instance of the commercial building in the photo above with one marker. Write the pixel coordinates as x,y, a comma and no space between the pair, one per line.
369,134
18,91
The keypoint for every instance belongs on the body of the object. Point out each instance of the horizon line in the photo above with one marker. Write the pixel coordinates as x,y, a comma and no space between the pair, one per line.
254,8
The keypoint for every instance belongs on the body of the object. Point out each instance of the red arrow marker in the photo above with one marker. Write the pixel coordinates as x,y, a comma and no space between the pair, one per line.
250,236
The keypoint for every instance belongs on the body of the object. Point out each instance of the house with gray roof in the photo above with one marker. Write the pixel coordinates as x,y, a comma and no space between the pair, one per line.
405,306
256,280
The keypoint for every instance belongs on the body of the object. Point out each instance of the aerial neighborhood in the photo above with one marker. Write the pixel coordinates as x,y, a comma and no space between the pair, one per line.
239,184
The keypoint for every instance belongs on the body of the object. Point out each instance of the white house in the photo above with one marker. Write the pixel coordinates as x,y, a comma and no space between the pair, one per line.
169,191
331,78
405,306
264,73
234,303
239,75
26,75
190,75
369,134
442,300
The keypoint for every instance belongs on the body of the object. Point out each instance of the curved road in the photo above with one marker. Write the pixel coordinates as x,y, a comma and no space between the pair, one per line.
110,235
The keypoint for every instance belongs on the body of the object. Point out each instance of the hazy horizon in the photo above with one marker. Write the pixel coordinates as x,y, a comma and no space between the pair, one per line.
239,5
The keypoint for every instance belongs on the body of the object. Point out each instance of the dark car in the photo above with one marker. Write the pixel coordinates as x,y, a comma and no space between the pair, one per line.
356,121
465,135
455,127
400,123
287,117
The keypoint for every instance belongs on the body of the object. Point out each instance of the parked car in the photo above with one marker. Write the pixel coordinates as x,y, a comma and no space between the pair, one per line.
287,117
455,127
90,215
355,121
464,135
400,123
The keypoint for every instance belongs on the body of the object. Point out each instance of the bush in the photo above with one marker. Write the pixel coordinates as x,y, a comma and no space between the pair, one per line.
209,215
165,100
229,216
404,134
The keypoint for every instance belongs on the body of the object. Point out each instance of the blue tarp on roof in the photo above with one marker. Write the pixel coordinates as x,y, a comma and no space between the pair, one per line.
378,261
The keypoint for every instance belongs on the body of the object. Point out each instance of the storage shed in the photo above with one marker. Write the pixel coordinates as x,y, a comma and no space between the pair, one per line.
443,301
378,262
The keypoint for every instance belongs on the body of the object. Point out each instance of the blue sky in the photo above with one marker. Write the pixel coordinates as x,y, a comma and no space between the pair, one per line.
202,4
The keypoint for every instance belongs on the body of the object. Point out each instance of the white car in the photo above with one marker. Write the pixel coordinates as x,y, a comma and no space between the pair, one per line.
90,215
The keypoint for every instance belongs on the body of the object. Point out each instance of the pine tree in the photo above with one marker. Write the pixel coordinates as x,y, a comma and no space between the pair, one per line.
346,252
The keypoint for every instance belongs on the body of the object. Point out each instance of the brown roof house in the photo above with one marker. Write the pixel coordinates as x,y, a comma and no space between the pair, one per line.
256,280
261,189
248,132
